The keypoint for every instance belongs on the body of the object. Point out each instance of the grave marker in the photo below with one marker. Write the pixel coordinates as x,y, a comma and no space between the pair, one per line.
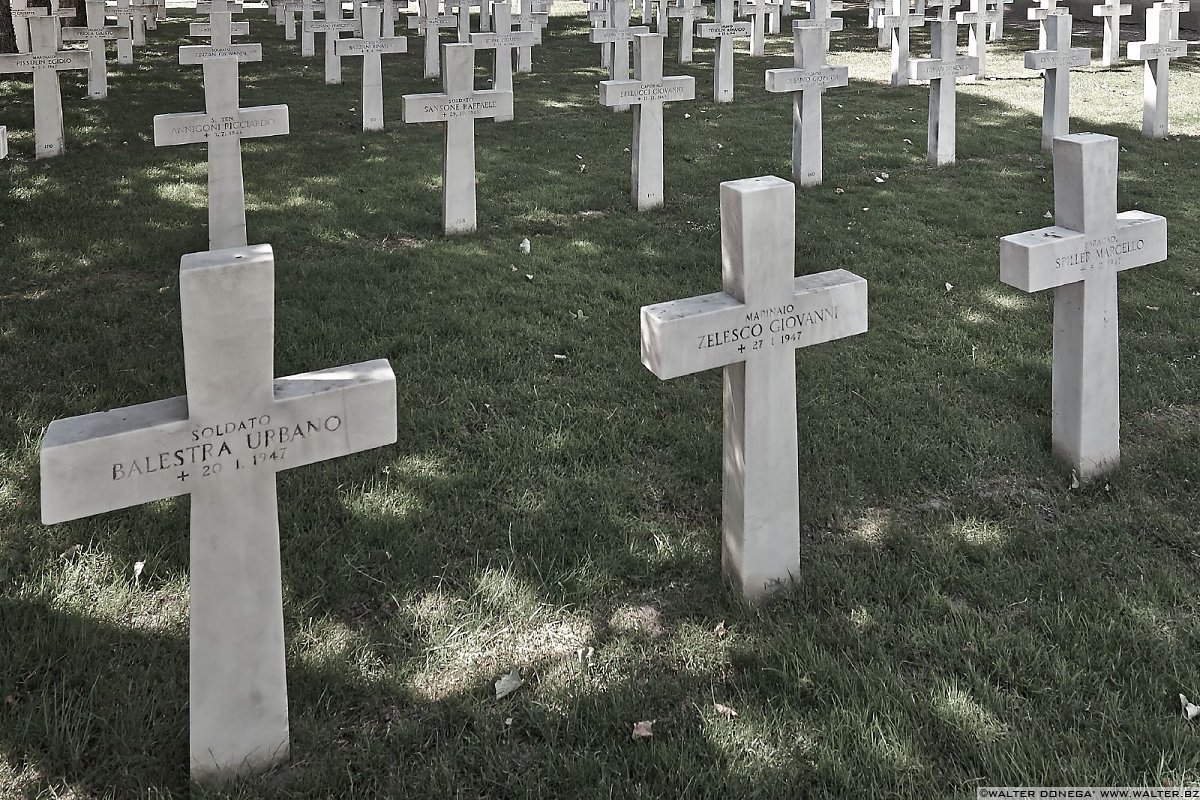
1176,7
95,34
688,12
945,9
371,47
1044,10
996,28
941,71
458,105
618,35
429,26
222,444
757,11
21,14
1157,52
647,92
44,61
899,23
308,39
821,11
751,330
531,18
503,41
1079,257
1112,11
223,125
724,30
807,82
332,26
977,20
1056,63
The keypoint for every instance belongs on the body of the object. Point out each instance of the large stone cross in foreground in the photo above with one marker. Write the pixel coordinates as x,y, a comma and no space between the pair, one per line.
458,105
750,329
223,125
647,92
44,61
222,444
1079,257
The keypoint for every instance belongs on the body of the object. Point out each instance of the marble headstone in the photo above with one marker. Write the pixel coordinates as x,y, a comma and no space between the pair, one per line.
646,93
724,31
942,70
96,33
807,82
688,12
371,48
222,444
503,41
1157,52
899,22
977,21
1079,258
750,330
618,35
458,105
1056,62
1111,12
429,26
45,60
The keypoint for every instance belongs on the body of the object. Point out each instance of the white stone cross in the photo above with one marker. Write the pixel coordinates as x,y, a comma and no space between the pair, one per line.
332,26
222,444
724,30
599,15
307,9
899,22
941,71
464,21
996,28
531,17
1056,61
977,20
1112,11
429,25
647,92
44,61
618,35
222,125
1176,7
3,141
206,7
387,26
123,13
688,13
1041,12
1079,257
757,11
751,330
1157,52
220,29
875,10
807,82
822,11
96,34
945,9
458,105
503,41
371,47
21,14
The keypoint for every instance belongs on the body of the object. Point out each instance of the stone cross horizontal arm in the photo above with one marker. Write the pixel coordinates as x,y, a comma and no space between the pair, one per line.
333,25
366,47
720,30
681,337
496,41
1056,59
436,107
437,21
1145,51
249,123
199,53
797,79
679,87
608,35
929,69
81,34
27,62
1055,256
205,29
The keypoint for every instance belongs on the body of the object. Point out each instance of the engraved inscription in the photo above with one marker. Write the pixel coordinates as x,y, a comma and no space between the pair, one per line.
1100,253
768,327
221,127
466,106
653,91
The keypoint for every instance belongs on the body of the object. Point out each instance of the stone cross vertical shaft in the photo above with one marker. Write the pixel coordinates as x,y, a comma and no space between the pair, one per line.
531,18
647,92
45,60
21,13
807,82
96,33
617,35
1157,52
371,48
942,70
1111,12
503,40
751,330
724,31
1056,62
222,126
1079,257
459,105
900,23
222,444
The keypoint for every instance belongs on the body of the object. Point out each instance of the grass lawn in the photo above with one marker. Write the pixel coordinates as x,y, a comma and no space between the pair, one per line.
964,616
